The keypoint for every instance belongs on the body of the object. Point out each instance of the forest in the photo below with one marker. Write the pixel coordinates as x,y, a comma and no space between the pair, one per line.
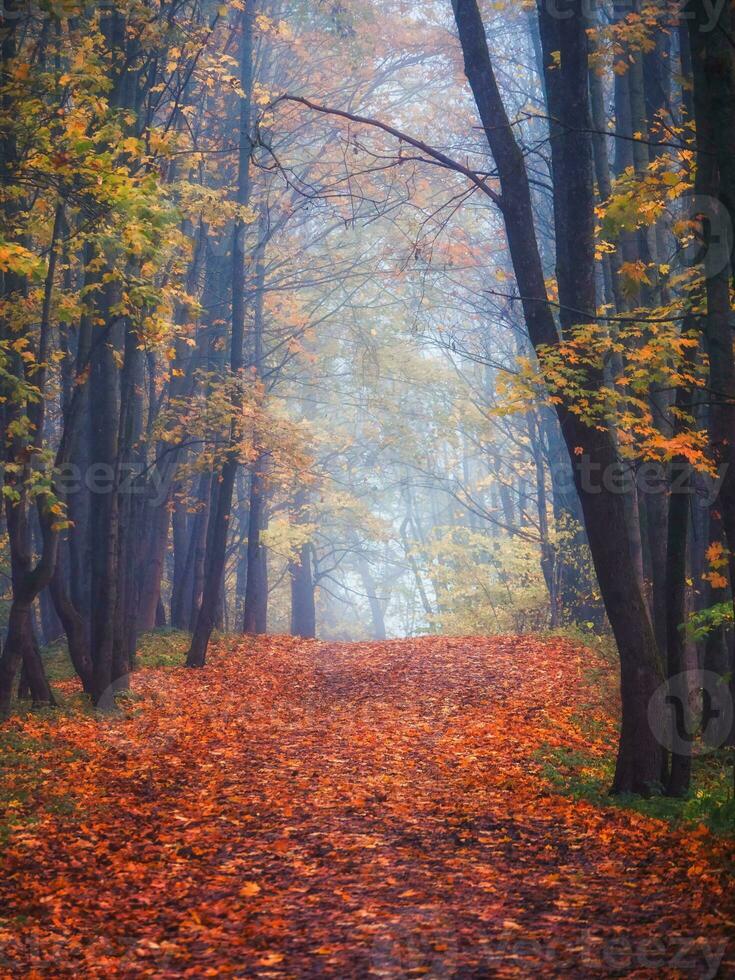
367,478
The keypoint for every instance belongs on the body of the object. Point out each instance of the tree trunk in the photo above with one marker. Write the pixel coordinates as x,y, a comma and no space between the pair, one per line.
676,574
376,605
217,538
156,522
104,503
713,70
303,612
639,754
255,612
75,627
181,525
20,648
27,579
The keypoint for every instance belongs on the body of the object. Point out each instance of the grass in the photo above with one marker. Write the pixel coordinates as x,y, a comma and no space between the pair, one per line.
711,800
162,648
587,777
159,648
56,662
24,762
25,758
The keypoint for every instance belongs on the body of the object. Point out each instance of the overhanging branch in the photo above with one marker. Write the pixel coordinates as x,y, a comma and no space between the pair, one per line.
436,156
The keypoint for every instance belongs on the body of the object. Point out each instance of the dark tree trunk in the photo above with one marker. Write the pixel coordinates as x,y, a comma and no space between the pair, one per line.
376,606
713,69
133,508
241,561
21,649
156,522
78,502
198,547
160,622
655,506
217,537
104,504
75,627
27,579
639,755
255,612
114,422
181,528
303,611
676,607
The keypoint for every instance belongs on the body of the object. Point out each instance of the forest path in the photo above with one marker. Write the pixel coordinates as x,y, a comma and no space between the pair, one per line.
301,809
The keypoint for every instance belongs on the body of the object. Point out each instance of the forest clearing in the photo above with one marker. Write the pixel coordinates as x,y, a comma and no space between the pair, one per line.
323,810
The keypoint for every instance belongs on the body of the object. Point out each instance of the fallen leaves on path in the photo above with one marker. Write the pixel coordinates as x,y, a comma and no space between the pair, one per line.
301,809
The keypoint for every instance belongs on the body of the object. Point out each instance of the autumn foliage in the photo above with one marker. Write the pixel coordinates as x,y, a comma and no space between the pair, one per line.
363,319
303,809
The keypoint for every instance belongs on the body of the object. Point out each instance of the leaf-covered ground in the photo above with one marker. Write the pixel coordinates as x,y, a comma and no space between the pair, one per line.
301,809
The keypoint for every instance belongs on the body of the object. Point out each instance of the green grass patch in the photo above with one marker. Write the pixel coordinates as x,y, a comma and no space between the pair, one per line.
56,662
25,761
158,648
587,777
162,648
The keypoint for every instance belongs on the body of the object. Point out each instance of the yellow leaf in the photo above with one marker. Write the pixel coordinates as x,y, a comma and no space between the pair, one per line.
270,959
249,889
